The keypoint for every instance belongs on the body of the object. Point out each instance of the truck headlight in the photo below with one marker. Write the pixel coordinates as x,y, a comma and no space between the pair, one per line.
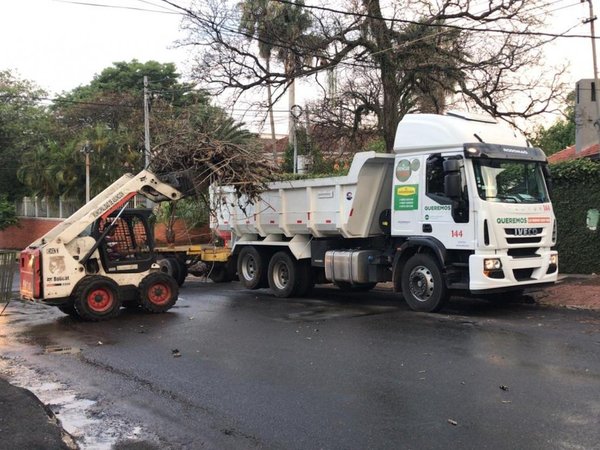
492,264
554,259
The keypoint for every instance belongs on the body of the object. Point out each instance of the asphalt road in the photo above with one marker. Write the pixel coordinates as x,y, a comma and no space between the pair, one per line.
229,368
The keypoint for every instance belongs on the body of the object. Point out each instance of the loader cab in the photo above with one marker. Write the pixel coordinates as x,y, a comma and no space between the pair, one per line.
126,241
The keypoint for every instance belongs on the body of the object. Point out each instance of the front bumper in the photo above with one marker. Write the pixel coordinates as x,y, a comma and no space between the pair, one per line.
516,272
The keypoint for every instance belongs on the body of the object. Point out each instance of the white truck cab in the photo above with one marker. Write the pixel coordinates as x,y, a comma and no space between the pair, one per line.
478,188
461,205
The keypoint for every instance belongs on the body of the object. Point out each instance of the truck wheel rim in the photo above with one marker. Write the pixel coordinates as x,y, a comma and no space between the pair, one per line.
249,268
159,293
100,300
281,275
421,283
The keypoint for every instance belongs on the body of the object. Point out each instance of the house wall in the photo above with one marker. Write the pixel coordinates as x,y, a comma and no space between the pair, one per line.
28,230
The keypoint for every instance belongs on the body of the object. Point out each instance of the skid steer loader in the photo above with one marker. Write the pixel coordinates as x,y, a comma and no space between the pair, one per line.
102,257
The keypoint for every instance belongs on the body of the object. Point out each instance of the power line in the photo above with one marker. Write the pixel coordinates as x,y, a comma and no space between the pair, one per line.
132,8
435,25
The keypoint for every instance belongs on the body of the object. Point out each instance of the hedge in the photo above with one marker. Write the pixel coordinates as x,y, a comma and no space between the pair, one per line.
576,189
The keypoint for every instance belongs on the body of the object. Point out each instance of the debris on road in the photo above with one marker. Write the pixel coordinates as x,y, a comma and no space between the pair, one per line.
175,353
452,422
503,387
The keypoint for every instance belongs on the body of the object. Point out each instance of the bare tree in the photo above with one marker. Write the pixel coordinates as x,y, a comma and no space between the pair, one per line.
421,53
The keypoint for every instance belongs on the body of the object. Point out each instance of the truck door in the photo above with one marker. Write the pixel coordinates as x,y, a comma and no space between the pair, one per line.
406,195
446,219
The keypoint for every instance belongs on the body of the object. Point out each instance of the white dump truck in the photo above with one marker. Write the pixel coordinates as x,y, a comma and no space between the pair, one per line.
461,206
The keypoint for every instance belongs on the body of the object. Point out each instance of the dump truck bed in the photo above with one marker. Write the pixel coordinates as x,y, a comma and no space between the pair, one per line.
347,206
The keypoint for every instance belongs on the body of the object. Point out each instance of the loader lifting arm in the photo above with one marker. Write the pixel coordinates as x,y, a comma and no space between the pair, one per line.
108,201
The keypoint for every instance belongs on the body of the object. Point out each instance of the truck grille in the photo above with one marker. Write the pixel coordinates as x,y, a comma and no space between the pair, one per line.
522,274
527,252
523,235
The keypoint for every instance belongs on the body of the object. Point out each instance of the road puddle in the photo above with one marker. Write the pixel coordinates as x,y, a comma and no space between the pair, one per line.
92,427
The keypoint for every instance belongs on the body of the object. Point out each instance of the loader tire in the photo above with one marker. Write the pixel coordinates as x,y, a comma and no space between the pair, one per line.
69,310
158,292
96,298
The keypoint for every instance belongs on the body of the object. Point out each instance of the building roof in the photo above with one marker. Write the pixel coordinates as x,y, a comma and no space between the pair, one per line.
593,151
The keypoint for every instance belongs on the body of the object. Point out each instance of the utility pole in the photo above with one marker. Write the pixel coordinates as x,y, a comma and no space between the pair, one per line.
86,150
147,131
146,124
295,112
591,19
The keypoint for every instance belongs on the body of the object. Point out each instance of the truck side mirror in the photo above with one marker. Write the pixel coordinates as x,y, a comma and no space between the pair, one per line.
452,179
548,177
453,185
452,165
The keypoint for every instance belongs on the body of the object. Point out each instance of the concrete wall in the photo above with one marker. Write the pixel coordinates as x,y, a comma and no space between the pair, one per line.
29,229
586,113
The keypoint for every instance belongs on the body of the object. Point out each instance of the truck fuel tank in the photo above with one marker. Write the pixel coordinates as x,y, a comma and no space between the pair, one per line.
350,266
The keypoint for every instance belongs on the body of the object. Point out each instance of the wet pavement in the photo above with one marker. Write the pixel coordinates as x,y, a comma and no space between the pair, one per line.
229,368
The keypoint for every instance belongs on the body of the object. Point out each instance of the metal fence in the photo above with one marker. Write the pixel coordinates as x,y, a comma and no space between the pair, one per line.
58,208
8,266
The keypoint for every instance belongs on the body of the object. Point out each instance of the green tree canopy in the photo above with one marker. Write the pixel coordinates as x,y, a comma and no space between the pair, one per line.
24,124
559,135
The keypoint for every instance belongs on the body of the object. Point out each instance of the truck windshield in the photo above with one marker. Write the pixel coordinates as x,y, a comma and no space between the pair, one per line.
510,181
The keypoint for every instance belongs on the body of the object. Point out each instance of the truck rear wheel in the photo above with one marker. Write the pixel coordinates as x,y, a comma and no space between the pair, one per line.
175,268
96,298
284,275
252,268
306,279
158,292
423,285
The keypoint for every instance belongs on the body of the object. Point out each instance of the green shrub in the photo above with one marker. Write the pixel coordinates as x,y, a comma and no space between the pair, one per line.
576,189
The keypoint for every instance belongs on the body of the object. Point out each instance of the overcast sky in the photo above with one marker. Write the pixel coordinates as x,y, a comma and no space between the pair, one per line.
63,45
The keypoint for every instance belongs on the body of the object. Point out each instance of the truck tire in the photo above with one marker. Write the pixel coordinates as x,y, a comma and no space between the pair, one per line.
183,272
252,268
423,285
306,279
284,275
96,298
173,267
158,292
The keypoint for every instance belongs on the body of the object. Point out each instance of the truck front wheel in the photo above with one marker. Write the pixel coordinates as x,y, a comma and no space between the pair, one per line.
423,285
252,268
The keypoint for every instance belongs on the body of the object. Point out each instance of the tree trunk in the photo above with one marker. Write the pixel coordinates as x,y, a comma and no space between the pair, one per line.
271,116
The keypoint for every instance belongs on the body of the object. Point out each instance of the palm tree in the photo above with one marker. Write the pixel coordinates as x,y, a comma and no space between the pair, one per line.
255,22
279,27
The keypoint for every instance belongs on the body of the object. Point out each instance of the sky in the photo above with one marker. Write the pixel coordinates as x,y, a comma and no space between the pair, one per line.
61,45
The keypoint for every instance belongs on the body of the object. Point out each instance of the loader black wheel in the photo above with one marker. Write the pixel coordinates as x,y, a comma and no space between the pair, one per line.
252,268
284,275
158,292
69,310
423,285
96,298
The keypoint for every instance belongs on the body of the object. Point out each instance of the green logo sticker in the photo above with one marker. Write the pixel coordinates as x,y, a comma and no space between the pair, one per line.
406,197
